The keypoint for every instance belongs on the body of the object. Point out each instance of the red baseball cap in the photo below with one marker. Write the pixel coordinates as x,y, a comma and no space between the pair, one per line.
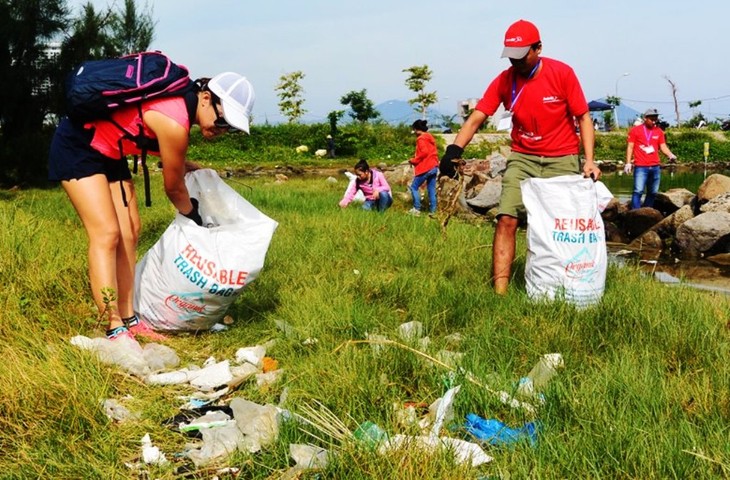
518,38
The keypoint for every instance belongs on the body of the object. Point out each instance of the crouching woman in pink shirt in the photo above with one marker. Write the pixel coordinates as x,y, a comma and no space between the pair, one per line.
373,185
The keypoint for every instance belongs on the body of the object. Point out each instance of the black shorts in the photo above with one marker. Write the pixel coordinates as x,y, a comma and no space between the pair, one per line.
72,158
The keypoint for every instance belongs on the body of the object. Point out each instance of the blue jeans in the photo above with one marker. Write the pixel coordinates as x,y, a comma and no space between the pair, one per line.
385,200
645,178
418,180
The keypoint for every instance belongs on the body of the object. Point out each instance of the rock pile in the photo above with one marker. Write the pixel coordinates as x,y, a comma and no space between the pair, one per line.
688,225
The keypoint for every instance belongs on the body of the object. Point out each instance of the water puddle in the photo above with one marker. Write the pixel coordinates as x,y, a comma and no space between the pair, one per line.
699,274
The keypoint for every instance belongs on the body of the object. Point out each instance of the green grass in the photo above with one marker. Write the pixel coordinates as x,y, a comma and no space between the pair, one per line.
645,392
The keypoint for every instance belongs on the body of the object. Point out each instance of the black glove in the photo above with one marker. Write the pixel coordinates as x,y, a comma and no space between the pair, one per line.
194,215
447,167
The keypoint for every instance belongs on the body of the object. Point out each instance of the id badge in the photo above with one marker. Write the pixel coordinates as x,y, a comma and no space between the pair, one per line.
648,149
505,123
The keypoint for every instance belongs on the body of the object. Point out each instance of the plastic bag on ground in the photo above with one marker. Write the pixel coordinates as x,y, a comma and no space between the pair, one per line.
497,433
566,239
217,443
464,452
123,352
151,454
258,423
190,277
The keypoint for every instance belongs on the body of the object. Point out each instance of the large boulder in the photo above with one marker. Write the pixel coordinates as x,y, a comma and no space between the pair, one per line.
667,228
614,234
399,175
487,196
706,233
672,200
640,220
614,209
719,203
649,240
714,185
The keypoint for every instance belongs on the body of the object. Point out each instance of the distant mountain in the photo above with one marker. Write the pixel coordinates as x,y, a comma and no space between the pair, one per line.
398,112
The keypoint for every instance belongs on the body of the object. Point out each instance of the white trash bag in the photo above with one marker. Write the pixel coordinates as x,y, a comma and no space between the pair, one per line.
566,239
359,196
190,277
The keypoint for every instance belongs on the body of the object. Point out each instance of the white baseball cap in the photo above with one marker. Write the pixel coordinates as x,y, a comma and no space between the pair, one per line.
237,97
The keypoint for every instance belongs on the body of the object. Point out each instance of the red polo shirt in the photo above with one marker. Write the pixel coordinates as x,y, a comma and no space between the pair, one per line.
544,110
641,137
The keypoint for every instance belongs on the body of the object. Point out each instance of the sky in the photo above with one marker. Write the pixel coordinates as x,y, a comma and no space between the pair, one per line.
619,47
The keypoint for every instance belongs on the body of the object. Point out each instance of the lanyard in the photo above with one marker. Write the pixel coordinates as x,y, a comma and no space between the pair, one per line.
647,135
515,93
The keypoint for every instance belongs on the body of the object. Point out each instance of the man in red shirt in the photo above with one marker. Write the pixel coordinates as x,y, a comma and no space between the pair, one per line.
644,143
543,101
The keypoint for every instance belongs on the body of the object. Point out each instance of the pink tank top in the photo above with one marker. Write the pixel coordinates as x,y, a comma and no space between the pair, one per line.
107,135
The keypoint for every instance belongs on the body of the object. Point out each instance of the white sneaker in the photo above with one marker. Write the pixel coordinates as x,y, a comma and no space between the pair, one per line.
414,212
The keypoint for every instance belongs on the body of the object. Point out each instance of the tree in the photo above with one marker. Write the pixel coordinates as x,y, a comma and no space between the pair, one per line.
416,82
674,96
102,34
133,32
31,32
28,26
362,108
610,117
290,96
334,117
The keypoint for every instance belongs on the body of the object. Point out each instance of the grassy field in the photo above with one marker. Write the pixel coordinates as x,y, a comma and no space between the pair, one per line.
645,392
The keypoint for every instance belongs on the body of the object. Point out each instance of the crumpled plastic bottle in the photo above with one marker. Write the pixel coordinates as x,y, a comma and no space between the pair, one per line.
370,434
497,433
543,371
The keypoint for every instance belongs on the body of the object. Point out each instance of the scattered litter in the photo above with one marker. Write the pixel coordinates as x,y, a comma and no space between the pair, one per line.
268,378
452,359
454,339
124,352
310,341
253,355
284,327
370,434
213,376
258,423
464,452
411,331
194,403
151,455
543,371
497,433
408,414
172,378
269,365
444,410
218,327
217,443
356,271
117,412
211,419
308,456
160,357
228,320
377,341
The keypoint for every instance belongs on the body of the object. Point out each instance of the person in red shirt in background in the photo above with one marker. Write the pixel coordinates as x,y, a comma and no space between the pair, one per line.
543,100
425,162
644,143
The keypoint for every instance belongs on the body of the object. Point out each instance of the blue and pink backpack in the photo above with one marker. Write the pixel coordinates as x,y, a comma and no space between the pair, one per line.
97,88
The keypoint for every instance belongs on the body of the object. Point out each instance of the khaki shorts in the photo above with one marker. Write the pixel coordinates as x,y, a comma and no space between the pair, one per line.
521,166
